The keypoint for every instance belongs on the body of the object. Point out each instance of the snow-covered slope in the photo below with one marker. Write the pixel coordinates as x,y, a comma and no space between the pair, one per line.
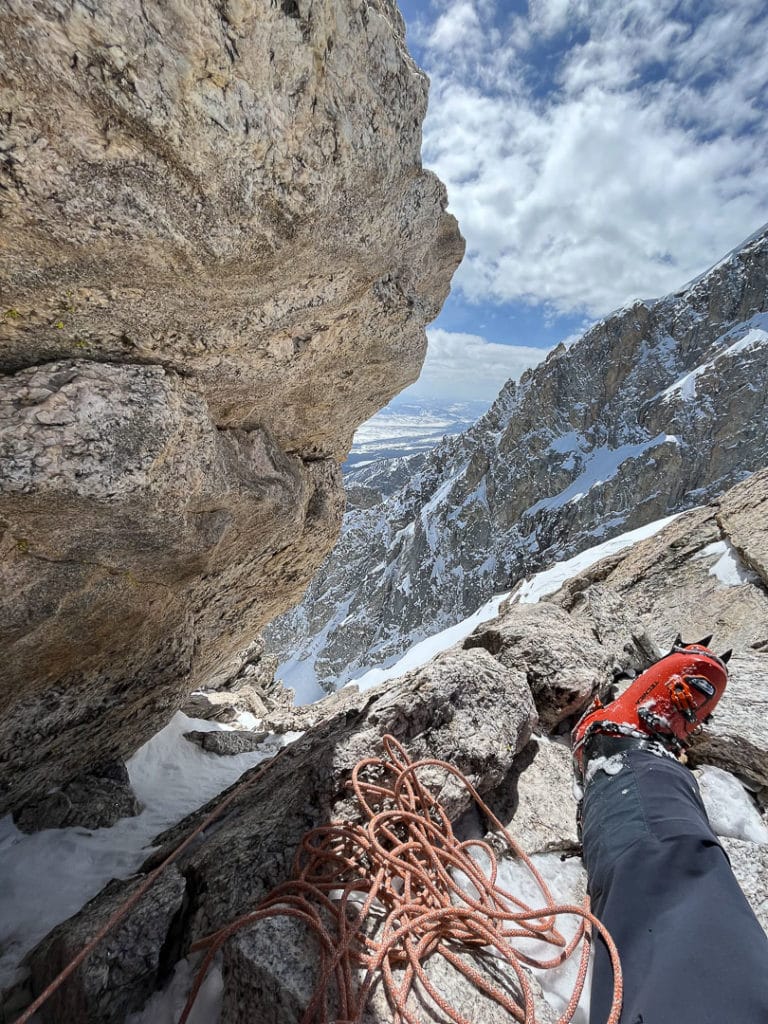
530,591
49,875
407,428
656,409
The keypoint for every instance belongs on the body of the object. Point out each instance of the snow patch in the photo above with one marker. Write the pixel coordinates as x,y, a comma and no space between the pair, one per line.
610,765
551,580
729,568
165,1007
570,442
566,883
50,875
729,807
600,465
298,672
425,650
756,335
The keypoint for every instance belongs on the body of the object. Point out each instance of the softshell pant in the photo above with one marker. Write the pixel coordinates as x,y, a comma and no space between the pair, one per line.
692,951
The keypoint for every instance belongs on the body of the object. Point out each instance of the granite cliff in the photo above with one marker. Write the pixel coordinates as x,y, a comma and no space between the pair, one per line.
218,252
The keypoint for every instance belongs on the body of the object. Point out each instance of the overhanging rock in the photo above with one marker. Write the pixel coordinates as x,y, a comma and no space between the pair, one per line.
218,253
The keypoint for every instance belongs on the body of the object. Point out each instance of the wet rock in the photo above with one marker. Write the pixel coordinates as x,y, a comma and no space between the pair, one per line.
96,800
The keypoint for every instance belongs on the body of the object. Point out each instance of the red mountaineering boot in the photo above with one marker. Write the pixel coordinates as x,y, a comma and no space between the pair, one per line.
665,705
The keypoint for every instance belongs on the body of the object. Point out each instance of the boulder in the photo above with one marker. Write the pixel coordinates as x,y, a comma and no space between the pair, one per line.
219,253
272,972
560,660
123,970
220,706
96,800
133,529
256,670
228,742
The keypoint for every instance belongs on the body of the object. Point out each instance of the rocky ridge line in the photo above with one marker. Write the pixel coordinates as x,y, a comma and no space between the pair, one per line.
478,706
658,408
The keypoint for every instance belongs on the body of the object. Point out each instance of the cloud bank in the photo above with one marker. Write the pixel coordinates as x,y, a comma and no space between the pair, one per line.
468,367
595,151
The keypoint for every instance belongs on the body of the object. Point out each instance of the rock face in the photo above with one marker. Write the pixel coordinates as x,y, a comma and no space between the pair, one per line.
218,253
656,409
272,973
476,705
134,951
96,800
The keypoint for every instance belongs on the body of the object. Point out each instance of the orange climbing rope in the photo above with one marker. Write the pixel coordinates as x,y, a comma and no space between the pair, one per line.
122,910
383,895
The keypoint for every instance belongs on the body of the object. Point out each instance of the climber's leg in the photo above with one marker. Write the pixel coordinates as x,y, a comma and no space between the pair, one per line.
691,949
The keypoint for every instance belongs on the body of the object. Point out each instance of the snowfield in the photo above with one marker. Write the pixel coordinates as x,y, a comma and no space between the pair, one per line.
47,876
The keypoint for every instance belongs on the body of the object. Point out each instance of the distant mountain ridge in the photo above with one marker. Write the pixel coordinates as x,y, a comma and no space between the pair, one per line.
408,428
655,409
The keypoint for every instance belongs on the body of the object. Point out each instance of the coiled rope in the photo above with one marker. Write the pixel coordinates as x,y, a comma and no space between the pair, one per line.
382,895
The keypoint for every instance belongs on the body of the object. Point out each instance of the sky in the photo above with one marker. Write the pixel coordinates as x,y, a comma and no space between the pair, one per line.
594,151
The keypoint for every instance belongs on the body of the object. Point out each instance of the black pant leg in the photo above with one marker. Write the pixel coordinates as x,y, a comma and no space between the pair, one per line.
691,949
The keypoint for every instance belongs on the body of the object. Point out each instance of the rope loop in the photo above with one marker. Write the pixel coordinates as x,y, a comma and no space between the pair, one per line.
381,897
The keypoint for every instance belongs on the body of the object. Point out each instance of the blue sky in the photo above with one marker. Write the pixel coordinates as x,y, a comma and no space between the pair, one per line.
595,151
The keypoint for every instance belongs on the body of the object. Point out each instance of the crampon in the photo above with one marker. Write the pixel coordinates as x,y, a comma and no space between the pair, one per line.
666,704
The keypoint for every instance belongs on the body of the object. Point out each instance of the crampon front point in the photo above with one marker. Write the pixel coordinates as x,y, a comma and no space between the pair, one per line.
667,703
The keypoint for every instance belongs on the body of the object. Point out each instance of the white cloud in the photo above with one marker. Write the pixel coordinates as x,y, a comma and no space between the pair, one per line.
467,366
642,160
459,25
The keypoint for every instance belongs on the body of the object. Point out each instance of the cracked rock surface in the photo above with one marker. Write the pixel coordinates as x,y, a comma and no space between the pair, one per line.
218,252
465,707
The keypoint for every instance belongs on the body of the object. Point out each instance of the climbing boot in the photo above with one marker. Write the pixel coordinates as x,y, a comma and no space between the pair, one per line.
663,707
